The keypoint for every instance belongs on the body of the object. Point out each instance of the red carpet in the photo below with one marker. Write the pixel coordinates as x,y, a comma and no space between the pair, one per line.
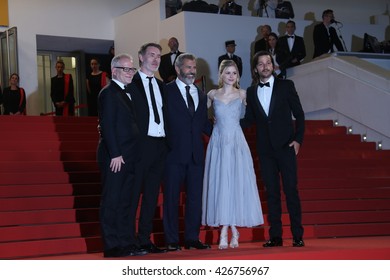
50,192
359,248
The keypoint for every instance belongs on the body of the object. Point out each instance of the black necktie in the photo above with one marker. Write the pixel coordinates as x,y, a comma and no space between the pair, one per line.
190,101
266,84
153,100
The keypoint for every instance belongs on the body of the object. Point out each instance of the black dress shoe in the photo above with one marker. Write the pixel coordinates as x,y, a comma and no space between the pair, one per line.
133,250
119,252
173,247
153,249
116,252
196,244
275,242
298,243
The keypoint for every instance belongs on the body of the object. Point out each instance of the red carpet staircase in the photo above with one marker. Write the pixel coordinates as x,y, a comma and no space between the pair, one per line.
50,187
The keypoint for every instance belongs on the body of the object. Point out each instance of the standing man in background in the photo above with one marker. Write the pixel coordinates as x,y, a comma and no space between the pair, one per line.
62,91
262,44
230,49
167,66
325,36
292,45
147,94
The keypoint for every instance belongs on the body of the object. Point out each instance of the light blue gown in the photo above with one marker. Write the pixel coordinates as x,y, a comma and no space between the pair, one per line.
230,193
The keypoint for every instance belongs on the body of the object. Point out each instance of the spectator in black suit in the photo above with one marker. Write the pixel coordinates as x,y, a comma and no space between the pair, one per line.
261,45
230,49
197,6
325,36
172,7
167,69
293,45
231,8
284,9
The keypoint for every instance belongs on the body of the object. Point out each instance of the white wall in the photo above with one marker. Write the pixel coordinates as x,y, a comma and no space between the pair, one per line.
94,19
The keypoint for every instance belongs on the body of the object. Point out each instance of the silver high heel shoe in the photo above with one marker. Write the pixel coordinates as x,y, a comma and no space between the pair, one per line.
223,239
235,236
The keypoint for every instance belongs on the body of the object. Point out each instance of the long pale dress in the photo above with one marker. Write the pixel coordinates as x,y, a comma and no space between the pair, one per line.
230,193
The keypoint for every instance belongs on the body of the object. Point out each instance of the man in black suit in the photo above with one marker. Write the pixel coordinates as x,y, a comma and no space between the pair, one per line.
270,104
148,95
325,36
167,66
284,9
186,115
117,155
262,44
231,8
230,49
292,45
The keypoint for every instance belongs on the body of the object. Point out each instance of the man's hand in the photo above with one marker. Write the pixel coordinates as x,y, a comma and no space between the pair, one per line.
116,164
296,146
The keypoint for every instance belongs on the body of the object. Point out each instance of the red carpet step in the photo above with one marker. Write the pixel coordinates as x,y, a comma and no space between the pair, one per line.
50,187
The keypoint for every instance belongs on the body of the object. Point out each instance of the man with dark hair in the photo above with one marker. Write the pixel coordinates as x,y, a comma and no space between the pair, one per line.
231,8
167,65
147,93
262,44
284,9
292,45
325,36
271,103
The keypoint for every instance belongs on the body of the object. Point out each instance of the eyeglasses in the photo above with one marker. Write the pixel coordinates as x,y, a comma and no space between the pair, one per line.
127,69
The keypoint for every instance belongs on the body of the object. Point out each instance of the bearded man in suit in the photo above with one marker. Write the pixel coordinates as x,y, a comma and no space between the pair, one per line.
270,104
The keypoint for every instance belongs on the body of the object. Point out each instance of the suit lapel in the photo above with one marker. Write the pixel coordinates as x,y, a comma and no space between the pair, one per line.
273,97
257,102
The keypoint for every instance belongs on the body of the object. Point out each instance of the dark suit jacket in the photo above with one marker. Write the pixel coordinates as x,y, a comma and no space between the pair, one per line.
298,50
119,137
284,10
184,132
324,42
275,131
232,9
167,69
119,131
235,58
260,45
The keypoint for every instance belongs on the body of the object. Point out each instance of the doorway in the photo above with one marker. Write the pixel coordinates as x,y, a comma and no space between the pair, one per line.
75,52
46,62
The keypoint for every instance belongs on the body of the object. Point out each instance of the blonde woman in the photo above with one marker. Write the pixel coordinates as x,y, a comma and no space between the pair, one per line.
230,194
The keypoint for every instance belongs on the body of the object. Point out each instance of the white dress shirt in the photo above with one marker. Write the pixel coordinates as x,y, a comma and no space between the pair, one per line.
265,93
155,130
193,92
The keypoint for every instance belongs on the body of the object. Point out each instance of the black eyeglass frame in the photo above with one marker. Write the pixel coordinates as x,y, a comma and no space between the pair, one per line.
127,69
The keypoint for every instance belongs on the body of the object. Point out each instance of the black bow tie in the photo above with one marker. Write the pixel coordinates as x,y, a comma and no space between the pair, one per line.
266,84
292,37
